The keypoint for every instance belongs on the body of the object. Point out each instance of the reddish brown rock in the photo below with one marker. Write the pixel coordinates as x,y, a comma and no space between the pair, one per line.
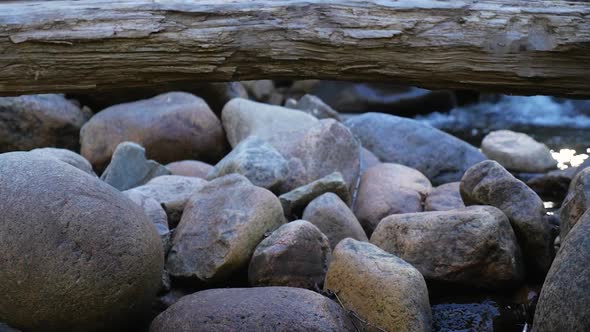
194,168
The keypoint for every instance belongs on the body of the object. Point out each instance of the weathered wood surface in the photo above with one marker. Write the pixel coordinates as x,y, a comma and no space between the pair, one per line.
530,47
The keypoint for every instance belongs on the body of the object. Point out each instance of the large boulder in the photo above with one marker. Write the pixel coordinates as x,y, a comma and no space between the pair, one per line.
576,202
387,189
130,168
221,226
314,148
278,309
488,183
35,121
517,152
440,156
67,156
564,299
473,246
77,255
295,255
172,126
382,289
192,168
255,159
444,197
331,215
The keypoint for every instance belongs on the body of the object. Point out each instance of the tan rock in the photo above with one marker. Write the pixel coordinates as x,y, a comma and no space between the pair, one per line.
194,168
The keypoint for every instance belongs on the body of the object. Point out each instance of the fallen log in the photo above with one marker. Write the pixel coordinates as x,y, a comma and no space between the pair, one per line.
525,47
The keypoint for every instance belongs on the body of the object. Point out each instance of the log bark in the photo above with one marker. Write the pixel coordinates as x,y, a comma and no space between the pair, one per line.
525,47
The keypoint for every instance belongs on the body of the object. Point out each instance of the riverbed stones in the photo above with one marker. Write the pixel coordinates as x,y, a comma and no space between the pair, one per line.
279,309
564,299
35,121
381,288
171,126
473,246
295,200
313,105
441,157
77,255
295,255
221,226
576,202
155,213
489,183
387,189
333,217
518,152
313,148
67,156
255,159
130,168
444,197
368,160
192,168
172,192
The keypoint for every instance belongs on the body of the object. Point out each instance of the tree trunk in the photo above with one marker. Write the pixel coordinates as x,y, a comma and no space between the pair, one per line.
528,47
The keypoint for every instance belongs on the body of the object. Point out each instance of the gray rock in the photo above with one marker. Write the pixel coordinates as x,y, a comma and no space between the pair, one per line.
130,168
381,288
576,202
294,201
192,168
172,192
171,126
518,152
553,184
35,121
313,105
440,156
77,255
277,309
455,317
331,215
444,197
255,159
295,255
368,160
488,183
473,246
564,299
387,189
260,90
221,226
155,212
67,156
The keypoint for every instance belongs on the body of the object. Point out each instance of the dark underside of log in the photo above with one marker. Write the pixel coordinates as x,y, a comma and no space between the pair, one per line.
522,47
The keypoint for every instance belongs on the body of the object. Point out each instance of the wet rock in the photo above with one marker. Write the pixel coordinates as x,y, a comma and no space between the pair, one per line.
279,309
440,156
221,226
194,168
381,288
489,183
295,255
77,255
517,152
575,203
129,167
387,189
294,201
444,197
553,184
172,126
473,246
172,192
464,316
331,215
34,121
368,160
155,212
313,105
314,148
67,156
255,159
564,299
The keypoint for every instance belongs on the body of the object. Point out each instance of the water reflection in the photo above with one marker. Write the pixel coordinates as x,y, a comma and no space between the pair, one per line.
568,158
